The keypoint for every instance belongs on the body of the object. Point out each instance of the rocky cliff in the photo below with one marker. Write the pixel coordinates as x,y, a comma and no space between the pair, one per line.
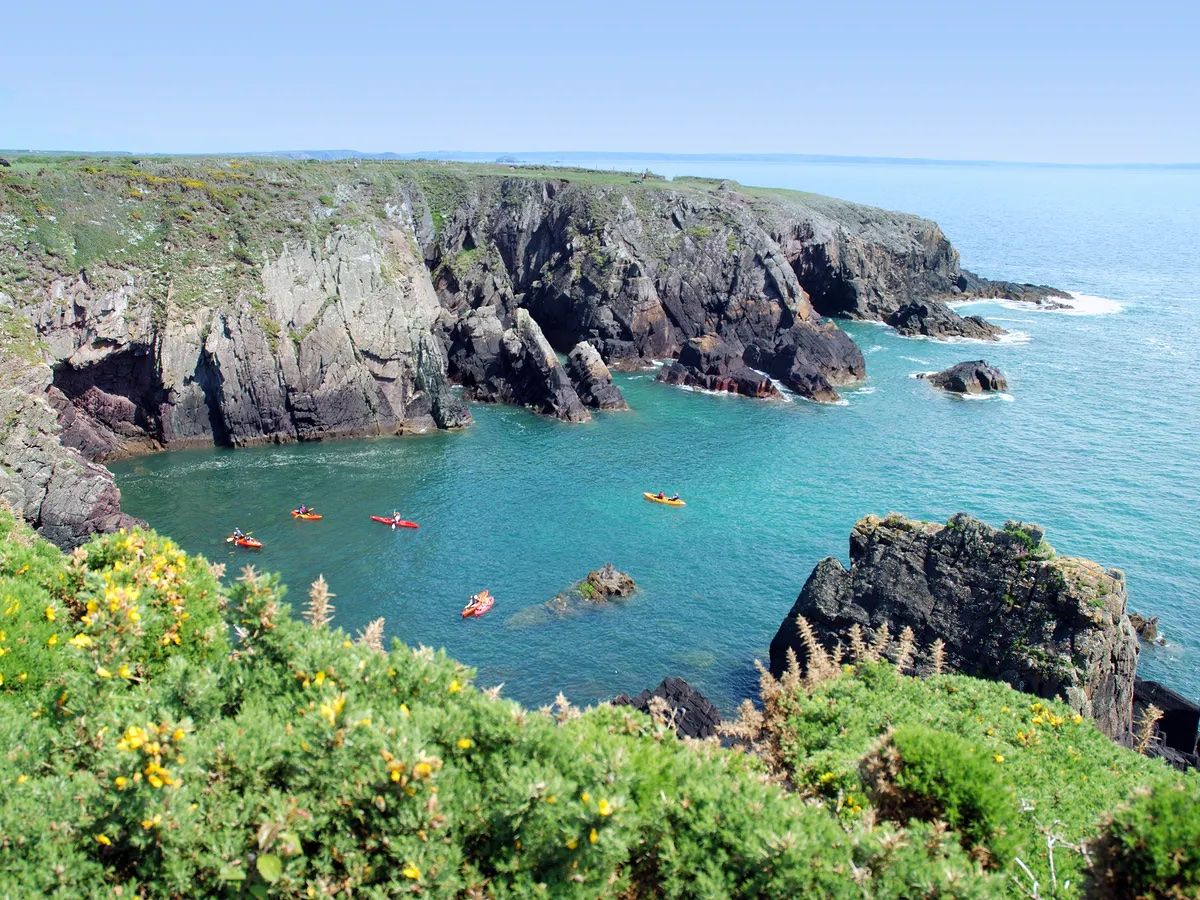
222,301
1005,605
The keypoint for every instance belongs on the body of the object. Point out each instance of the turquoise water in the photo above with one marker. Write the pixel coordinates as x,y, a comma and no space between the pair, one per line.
1097,441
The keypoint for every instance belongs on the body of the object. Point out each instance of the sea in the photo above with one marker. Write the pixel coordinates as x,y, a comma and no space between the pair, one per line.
1097,439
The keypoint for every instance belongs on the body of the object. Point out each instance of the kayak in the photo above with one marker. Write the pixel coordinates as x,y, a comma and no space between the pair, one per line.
307,517
478,605
248,542
401,523
666,501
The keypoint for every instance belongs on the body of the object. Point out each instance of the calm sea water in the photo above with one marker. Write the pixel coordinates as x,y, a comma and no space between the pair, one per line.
1097,441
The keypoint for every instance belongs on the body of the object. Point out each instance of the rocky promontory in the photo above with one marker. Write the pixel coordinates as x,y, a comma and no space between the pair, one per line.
975,377
1005,605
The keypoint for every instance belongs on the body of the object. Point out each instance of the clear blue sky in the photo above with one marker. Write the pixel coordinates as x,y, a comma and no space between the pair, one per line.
1055,81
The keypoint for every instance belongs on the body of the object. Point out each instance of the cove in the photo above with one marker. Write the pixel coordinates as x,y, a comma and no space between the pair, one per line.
525,506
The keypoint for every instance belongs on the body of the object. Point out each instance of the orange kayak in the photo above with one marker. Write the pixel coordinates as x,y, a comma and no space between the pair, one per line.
248,542
307,517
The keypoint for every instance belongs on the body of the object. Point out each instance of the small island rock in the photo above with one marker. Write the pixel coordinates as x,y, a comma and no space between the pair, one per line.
975,377
606,582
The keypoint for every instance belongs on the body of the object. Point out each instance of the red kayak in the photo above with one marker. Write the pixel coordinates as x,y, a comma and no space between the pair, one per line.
478,605
248,542
395,523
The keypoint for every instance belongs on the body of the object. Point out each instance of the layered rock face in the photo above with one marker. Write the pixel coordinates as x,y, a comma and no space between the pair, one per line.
712,364
512,365
636,271
1006,607
592,378
975,377
338,343
54,487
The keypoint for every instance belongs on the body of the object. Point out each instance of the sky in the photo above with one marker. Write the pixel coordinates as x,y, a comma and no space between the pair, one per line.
1065,81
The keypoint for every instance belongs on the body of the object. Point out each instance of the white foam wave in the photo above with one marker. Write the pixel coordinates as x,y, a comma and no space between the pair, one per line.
1006,398
1078,305
875,348
915,359
869,389
1088,305
1011,337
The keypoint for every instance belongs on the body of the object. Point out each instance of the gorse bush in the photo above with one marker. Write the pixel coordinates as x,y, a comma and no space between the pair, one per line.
921,773
181,737
1152,846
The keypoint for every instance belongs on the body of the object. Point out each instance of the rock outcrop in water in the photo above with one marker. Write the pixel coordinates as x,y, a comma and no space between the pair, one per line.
605,582
592,378
1005,605
689,711
712,364
934,319
975,377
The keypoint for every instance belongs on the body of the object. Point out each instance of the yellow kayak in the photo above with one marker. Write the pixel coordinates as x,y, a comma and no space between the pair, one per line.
666,501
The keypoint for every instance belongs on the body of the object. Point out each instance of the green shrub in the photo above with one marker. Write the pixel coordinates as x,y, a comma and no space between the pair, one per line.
931,776
1152,846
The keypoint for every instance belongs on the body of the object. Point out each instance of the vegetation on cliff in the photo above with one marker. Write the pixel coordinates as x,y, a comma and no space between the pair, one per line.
165,734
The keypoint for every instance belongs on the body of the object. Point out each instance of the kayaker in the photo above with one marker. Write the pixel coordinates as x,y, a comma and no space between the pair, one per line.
302,510
662,496
674,497
238,534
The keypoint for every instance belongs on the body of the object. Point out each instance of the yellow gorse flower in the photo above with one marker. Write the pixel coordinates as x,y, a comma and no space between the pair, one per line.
51,614
604,808
465,743
411,872
454,687
81,641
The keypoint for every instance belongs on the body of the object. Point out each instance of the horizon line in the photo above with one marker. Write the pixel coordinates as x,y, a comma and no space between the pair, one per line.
336,154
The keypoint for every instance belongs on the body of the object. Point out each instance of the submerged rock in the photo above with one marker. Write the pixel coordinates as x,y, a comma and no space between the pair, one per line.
692,714
975,377
592,379
1006,607
606,582
934,319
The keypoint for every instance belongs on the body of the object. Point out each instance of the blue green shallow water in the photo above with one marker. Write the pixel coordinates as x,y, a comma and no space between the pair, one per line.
1097,442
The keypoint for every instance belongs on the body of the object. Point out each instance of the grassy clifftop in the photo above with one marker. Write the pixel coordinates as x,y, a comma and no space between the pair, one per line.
164,733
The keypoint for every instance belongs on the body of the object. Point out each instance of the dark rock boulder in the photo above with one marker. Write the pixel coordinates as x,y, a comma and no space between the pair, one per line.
934,319
1181,717
693,714
592,379
606,582
713,364
975,377
1005,605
